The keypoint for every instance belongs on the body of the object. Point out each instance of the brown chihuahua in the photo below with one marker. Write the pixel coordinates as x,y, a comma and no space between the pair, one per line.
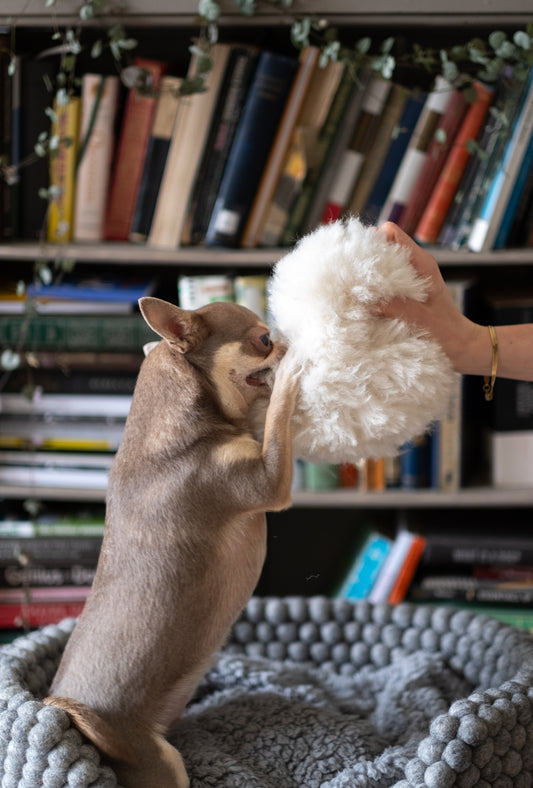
185,534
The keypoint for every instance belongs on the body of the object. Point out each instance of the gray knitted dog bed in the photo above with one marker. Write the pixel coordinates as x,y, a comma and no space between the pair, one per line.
311,692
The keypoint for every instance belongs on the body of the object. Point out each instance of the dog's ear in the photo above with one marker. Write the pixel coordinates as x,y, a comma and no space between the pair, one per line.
181,328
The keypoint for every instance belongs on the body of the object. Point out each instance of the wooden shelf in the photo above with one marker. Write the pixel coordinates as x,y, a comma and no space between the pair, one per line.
139,254
474,497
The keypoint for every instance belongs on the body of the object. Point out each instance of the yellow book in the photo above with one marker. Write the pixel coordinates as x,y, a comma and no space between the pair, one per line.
65,129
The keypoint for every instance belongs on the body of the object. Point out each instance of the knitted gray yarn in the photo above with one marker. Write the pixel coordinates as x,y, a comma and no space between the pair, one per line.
311,692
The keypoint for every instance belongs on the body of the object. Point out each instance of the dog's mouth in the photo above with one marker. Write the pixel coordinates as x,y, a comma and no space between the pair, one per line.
261,377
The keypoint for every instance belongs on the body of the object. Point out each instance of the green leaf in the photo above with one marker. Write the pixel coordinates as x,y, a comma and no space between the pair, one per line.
522,39
97,48
496,39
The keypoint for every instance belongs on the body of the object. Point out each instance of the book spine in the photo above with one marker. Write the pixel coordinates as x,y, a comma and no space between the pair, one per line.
197,291
259,122
345,93
195,115
403,580
65,128
434,215
401,136
46,576
380,138
165,114
130,155
38,614
366,569
434,161
404,182
517,190
233,93
99,101
301,153
391,568
128,332
50,550
486,225
274,165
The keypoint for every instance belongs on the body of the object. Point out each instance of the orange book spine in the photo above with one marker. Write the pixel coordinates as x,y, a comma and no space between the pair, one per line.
403,580
131,150
437,153
432,219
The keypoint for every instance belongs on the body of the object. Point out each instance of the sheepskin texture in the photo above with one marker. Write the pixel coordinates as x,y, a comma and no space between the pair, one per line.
368,384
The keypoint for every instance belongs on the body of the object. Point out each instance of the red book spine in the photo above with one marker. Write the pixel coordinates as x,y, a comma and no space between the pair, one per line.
406,573
437,154
131,150
432,219
37,614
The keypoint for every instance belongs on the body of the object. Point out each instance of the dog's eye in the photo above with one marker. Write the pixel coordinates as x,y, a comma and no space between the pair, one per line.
260,339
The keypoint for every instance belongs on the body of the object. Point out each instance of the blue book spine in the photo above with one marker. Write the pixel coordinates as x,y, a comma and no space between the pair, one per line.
257,127
366,569
393,159
514,198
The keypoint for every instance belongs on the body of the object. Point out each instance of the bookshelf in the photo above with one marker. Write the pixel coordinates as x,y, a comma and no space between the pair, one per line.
381,17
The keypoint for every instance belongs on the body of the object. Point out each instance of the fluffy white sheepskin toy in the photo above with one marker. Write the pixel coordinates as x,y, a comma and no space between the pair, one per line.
368,384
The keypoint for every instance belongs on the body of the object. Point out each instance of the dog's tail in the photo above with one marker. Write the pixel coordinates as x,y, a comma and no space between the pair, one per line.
100,732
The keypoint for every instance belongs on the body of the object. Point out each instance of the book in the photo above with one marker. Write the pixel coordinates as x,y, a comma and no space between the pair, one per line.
515,196
165,114
377,139
468,547
61,469
434,214
487,223
404,181
251,291
50,550
62,157
131,151
367,565
405,575
86,361
447,449
335,184
38,576
69,332
512,458
232,96
302,152
8,111
34,80
481,167
99,102
197,291
46,433
195,114
253,229
259,122
400,137
103,405
68,381
392,567
437,153
470,589
66,525
347,101
39,613
415,463
96,288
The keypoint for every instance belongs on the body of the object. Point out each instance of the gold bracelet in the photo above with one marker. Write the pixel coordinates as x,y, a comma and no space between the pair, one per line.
488,386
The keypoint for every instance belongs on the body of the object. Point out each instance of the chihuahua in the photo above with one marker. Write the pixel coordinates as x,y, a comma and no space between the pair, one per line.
185,535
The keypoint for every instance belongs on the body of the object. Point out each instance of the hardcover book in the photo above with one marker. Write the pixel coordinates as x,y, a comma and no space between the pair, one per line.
255,134
99,101
131,152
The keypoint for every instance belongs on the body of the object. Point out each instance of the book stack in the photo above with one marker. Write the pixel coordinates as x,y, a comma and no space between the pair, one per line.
79,345
47,566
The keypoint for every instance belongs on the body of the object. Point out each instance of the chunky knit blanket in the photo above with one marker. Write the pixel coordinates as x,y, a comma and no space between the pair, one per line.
311,692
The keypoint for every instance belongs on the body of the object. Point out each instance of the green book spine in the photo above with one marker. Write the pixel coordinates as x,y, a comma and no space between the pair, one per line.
127,332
